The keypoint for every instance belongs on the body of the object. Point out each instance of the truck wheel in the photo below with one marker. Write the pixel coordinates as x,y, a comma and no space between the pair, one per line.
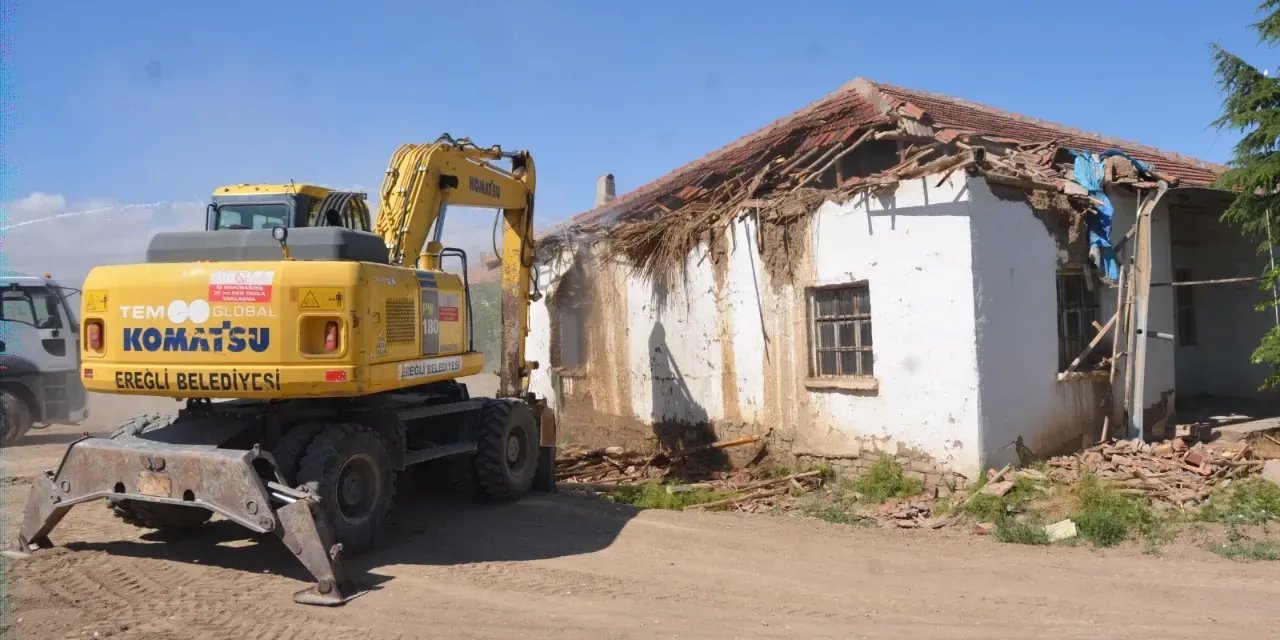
507,450
15,419
348,466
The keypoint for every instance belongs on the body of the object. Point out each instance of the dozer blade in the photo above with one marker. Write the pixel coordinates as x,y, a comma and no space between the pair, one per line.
223,481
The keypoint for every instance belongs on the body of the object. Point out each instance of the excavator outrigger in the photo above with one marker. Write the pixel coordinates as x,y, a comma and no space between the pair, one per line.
332,351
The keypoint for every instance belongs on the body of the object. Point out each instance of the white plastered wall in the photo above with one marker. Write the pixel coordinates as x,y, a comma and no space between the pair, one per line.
963,301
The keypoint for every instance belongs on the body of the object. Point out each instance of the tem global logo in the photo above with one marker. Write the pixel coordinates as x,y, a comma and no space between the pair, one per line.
195,312
177,312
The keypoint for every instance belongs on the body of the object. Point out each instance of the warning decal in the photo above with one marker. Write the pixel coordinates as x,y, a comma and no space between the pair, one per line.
448,314
326,298
95,301
240,286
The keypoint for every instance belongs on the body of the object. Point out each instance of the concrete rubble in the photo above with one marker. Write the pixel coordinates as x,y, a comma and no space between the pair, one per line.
1059,531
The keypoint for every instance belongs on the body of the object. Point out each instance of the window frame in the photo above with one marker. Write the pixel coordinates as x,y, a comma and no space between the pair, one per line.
1086,310
1184,302
859,320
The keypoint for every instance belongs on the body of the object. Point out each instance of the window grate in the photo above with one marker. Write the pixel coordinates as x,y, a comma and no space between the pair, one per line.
1077,311
840,331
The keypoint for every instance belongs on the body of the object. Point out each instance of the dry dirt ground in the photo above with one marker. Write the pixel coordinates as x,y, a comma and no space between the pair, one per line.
564,567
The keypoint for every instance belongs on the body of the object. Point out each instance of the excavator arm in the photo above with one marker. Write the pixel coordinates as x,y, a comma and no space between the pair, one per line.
422,181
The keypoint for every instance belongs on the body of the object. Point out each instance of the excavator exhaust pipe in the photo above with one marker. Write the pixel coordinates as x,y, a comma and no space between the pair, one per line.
224,481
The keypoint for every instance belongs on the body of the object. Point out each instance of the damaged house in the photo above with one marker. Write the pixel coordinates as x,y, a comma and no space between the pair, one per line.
889,270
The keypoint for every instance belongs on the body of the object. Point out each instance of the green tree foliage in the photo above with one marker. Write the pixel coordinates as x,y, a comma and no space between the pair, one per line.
1252,107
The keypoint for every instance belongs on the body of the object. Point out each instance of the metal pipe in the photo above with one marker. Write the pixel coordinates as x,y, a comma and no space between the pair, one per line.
1189,283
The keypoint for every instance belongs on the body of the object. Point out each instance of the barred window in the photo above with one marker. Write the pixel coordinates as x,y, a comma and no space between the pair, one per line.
840,330
1077,312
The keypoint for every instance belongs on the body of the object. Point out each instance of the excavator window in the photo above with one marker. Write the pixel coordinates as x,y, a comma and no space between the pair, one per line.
252,216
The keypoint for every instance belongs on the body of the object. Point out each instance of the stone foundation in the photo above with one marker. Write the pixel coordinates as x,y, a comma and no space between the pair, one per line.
937,478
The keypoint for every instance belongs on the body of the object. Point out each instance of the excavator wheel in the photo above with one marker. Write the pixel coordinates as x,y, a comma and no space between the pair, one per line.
289,450
349,467
149,515
507,450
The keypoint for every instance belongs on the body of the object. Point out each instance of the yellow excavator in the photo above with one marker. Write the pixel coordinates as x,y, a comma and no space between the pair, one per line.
317,358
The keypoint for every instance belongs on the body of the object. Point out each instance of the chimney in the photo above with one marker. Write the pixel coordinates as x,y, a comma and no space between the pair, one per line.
604,189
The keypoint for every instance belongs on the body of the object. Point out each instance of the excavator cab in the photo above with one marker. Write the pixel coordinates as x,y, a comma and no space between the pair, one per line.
259,206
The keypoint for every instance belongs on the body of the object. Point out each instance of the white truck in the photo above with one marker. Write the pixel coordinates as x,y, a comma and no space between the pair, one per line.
39,356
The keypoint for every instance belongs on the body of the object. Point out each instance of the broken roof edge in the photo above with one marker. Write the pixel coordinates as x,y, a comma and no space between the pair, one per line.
865,84
884,104
624,201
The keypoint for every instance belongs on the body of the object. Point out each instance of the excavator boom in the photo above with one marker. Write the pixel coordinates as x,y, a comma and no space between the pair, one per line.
422,181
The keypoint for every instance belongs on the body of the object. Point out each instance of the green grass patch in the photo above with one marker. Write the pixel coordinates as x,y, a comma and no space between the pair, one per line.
1249,550
1250,501
884,480
1015,532
985,507
655,496
1106,517
834,512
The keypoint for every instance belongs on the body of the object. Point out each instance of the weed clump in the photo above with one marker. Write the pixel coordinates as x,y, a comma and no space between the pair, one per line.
656,496
1250,501
885,480
834,512
986,507
1016,532
1107,518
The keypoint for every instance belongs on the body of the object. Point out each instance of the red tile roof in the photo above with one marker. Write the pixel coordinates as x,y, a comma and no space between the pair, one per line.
863,102
954,113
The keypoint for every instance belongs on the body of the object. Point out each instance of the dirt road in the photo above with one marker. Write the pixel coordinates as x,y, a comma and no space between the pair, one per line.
562,567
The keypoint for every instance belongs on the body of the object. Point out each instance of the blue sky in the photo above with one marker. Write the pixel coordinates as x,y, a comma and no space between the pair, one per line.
143,101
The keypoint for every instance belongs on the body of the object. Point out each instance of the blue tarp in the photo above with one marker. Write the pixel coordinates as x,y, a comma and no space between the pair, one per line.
1088,172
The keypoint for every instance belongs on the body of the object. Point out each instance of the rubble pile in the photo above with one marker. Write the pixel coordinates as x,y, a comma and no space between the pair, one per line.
1172,473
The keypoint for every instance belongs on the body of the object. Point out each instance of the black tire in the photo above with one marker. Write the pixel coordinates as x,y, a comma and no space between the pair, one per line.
15,418
289,450
507,450
144,423
150,515
349,467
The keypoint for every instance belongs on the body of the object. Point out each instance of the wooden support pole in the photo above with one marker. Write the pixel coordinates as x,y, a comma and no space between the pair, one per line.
1122,310
1089,349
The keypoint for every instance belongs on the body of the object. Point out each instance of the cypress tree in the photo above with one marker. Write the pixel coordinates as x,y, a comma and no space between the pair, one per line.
1251,106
